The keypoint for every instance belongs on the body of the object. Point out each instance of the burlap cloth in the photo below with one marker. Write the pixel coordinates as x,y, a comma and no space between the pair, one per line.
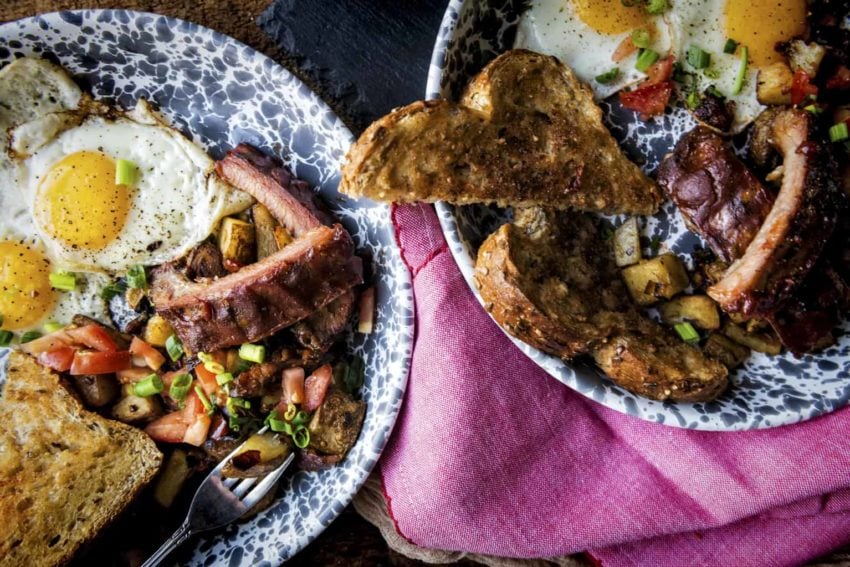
237,18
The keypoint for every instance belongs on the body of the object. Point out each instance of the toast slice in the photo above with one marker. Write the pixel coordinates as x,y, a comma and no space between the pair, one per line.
525,132
65,472
549,280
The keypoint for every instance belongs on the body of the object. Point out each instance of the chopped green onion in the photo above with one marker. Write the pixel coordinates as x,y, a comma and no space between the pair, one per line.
241,366
711,73
301,418
234,421
608,76
645,60
838,132
29,336
353,377
301,437
113,289
214,367
714,91
52,327
205,401
813,108
137,277
252,353
731,46
174,348
291,412
698,58
148,386
656,7
641,38
180,387
693,100
233,403
278,425
224,378
64,281
687,332
205,357
125,172
742,72
6,338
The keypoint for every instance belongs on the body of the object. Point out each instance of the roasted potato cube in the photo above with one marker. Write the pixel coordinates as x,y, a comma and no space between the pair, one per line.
765,342
805,56
97,390
651,280
260,454
157,331
336,424
700,310
264,226
236,242
627,243
730,353
171,479
282,236
774,84
134,409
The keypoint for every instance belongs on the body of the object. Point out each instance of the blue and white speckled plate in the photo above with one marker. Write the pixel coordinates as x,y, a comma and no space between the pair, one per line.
766,391
221,92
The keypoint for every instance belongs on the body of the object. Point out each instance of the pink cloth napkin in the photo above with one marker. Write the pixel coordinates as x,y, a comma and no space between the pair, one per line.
491,455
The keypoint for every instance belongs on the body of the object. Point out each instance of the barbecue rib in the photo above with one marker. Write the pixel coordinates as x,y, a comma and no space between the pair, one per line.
547,280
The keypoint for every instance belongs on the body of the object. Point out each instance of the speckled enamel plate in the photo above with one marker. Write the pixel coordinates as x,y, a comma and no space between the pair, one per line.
766,391
220,92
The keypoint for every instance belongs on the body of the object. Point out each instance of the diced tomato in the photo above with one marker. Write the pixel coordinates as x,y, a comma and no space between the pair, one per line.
801,87
133,375
152,357
840,80
196,433
218,427
59,359
649,100
626,48
316,387
659,71
168,378
188,425
93,336
169,428
53,341
293,386
207,381
93,362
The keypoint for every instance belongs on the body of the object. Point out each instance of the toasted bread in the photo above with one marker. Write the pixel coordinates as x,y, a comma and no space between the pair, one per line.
65,472
550,281
526,132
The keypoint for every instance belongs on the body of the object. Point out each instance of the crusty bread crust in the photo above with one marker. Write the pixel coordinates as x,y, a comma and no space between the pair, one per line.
526,132
65,472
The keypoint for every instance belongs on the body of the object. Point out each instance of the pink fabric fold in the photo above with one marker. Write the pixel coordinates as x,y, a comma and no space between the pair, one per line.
492,455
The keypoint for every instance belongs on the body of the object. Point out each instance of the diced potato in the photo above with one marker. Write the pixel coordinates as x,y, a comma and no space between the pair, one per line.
774,84
270,446
264,225
134,297
728,352
97,390
765,342
135,410
806,56
336,424
171,479
659,278
260,454
282,236
627,243
236,241
700,310
157,331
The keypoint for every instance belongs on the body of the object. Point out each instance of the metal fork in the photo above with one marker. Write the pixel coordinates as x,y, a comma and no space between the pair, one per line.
218,502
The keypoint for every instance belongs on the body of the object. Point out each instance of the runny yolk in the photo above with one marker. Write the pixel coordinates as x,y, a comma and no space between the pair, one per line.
25,293
611,16
78,202
761,24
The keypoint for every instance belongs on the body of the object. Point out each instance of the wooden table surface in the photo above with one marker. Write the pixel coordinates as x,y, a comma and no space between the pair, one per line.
350,540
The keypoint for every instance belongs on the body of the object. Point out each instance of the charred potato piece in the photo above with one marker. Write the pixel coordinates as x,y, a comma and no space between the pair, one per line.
237,242
651,280
135,410
97,390
260,454
171,479
264,225
627,243
700,310
773,85
336,424
730,353
765,342
805,57
157,331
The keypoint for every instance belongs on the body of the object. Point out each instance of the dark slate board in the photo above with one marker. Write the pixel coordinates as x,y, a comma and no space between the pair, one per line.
365,56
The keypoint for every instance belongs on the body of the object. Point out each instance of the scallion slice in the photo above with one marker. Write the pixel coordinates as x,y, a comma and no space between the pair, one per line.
6,338
205,401
656,7
137,278
125,172
291,412
29,336
233,403
301,418
693,99
180,387
278,425
641,38
224,378
113,289
174,348
252,353
301,437
52,327
645,60
838,132
731,46
64,281
813,108
214,367
608,76
698,58
148,386
742,72
687,332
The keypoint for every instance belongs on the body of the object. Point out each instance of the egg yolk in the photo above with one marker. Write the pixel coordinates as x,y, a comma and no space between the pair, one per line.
79,203
26,296
761,24
611,16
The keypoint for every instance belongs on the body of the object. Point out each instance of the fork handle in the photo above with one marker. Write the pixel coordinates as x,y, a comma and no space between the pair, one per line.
177,538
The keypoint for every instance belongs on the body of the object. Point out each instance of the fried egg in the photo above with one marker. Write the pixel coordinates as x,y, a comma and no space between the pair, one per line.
62,208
